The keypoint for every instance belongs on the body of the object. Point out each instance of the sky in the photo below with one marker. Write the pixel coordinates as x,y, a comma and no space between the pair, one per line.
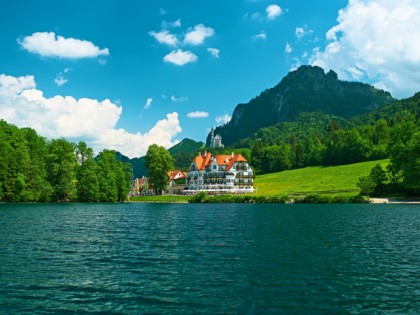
123,75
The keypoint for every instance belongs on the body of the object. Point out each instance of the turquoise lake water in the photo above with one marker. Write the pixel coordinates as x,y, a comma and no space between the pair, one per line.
209,259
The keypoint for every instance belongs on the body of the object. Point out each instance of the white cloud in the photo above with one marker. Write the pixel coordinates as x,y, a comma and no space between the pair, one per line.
377,41
214,52
164,37
178,99
162,11
273,11
22,104
288,48
223,119
302,31
197,35
198,114
179,57
60,80
262,35
148,103
49,45
176,23
299,32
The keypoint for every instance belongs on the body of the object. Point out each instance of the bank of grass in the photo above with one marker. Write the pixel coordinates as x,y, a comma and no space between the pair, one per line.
323,180
319,184
161,199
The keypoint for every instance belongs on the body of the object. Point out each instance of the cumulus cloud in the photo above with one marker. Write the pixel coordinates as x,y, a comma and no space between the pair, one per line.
164,37
22,104
198,114
377,41
197,35
214,52
179,57
148,103
262,35
273,11
288,48
49,45
223,119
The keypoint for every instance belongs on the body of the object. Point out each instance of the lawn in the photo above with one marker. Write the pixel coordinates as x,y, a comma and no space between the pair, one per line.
318,179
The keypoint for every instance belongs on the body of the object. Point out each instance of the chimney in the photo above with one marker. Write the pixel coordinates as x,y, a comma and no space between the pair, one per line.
205,153
199,153
233,154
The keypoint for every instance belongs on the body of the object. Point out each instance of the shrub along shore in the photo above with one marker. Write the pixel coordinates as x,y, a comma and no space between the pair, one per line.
202,197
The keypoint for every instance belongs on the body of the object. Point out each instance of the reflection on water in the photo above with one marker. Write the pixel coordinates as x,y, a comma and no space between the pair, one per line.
180,259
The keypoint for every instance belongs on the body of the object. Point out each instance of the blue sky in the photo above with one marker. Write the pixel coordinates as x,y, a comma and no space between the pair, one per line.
126,74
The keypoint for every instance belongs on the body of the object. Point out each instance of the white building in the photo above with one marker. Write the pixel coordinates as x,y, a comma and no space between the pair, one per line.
215,140
220,174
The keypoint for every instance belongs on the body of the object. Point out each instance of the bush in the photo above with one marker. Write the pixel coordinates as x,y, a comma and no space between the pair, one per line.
199,197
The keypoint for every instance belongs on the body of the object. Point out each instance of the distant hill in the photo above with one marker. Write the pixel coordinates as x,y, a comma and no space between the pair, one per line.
308,89
186,145
183,153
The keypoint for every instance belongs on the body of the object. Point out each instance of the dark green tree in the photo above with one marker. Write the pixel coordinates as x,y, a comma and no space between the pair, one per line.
379,177
158,162
108,190
62,168
87,174
114,177
412,169
366,185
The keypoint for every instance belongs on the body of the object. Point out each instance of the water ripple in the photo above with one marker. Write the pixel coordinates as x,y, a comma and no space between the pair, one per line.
209,259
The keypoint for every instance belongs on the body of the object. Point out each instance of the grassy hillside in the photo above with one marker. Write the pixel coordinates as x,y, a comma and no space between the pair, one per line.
186,146
319,179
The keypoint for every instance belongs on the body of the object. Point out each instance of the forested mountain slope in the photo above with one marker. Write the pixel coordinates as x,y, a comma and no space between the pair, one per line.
308,89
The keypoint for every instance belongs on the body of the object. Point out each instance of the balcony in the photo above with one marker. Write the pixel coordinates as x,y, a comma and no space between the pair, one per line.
214,175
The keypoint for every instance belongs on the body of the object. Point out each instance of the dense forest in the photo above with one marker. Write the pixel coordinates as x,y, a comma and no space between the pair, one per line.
34,169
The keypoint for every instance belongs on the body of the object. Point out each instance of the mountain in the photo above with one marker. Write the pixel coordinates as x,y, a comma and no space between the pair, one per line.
183,153
307,89
186,145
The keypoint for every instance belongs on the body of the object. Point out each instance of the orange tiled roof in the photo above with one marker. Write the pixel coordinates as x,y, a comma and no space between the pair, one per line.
174,174
222,160
236,158
202,160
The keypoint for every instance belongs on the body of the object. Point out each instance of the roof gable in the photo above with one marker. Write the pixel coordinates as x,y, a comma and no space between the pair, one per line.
202,161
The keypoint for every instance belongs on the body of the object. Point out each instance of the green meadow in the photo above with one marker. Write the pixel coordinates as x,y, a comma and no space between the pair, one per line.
339,180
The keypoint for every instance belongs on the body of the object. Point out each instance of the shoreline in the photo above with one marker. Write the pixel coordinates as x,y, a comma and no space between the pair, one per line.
393,201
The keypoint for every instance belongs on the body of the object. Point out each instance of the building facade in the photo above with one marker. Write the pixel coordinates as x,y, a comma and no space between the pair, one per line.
176,182
220,174
215,140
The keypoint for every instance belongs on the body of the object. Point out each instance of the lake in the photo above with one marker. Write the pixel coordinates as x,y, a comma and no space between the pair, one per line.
209,259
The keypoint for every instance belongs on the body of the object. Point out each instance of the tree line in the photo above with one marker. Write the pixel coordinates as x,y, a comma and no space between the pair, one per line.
34,169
